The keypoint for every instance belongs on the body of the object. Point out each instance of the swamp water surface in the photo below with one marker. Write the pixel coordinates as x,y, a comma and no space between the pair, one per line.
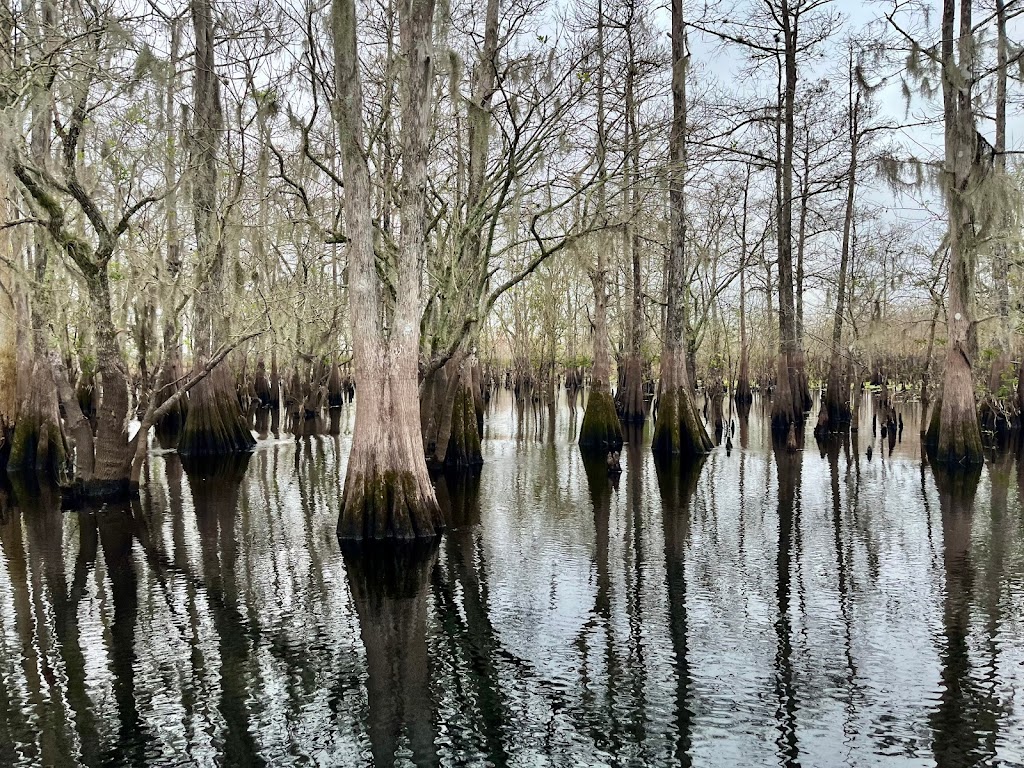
763,608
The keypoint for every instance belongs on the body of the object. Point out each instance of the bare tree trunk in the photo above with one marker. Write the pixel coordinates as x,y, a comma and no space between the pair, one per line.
999,409
169,428
387,493
214,423
678,429
715,393
38,441
926,370
463,437
113,450
447,401
801,236
835,405
742,394
788,401
31,435
600,429
77,425
954,435
9,246
631,395
461,445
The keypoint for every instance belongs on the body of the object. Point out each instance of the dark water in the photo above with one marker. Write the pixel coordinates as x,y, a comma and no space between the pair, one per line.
764,608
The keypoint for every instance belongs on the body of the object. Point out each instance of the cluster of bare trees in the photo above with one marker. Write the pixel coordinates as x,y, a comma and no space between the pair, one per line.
385,196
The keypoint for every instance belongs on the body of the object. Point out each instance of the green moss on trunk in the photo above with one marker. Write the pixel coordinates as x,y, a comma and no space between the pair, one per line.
953,438
464,442
600,430
387,505
37,447
678,429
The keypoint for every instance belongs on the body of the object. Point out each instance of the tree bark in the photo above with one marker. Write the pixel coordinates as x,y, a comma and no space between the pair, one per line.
387,493
678,428
788,401
113,451
600,429
742,394
168,429
31,435
214,423
77,425
631,395
999,410
835,405
9,247
956,437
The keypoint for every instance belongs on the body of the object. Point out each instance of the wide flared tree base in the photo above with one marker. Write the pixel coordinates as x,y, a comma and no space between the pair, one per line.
716,399
954,438
387,505
630,404
464,442
834,417
600,430
788,400
678,430
37,448
90,492
169,428
215,425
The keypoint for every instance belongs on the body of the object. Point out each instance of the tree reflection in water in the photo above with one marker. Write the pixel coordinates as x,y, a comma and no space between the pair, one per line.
758,608
677,482
390,587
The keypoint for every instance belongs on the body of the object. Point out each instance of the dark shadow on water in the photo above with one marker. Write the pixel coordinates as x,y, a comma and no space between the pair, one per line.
743,422
458,494
216,475
677,483
479,664
635,683
600,716
215,484
390,588
788,466
116,534
32,535
31,540
836,445
965,720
